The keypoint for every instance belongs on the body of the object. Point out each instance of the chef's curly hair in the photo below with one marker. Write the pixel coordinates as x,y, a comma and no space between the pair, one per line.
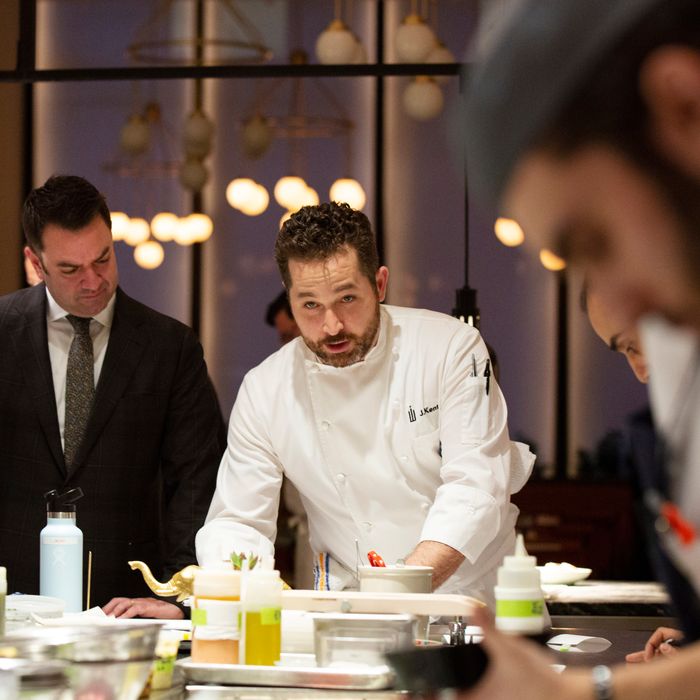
322,231
67,201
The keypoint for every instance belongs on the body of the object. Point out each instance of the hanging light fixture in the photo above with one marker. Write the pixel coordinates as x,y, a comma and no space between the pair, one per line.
163,226
120,225
350,191
414,39
550,261
149,254
239,41
423,99
291,191
509,232
337,44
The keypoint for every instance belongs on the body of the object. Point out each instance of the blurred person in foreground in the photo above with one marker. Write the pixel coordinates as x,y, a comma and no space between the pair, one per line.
384,418
584,126
146,449
642,442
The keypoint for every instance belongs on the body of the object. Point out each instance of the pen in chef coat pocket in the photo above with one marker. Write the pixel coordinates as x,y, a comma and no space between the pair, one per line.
487,374
474,373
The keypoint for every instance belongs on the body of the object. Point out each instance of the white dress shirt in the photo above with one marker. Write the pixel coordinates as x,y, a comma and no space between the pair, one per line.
60,335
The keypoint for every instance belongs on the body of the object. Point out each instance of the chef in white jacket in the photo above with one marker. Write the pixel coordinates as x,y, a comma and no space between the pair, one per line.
385,419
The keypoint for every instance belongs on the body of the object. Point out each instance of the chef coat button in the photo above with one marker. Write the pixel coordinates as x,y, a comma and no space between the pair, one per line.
396,404
425,507
367,526
325,425
404,458
340,478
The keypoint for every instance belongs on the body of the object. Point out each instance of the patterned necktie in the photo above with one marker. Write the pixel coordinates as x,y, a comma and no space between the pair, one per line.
80,387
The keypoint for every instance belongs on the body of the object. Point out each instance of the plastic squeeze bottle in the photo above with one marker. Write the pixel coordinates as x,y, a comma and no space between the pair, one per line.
61,555
519,600
216,616
262,606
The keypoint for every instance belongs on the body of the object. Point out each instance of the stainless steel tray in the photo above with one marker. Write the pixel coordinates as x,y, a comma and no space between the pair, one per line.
349,678
222,692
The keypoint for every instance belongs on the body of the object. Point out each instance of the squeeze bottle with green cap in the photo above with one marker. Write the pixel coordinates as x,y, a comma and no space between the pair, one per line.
519,600
61,555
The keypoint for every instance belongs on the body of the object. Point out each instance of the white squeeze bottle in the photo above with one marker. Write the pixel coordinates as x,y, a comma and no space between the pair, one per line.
61,556
519,600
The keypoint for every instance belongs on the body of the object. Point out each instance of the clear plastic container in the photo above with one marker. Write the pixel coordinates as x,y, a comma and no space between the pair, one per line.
215,616
262,606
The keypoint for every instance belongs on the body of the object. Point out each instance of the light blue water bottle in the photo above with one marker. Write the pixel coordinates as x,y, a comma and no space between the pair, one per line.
61,558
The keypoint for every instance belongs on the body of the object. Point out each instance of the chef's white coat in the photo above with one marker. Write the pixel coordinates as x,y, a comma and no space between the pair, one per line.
401,447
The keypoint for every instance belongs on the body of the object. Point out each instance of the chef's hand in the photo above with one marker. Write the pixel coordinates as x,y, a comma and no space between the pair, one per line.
657,646
518,664
143,607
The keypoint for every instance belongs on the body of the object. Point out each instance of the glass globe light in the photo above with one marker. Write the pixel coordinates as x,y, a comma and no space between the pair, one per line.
138,231
550,261
193,174
336,44
120,225
184,232
240,191
423,99
310,198
414,40
135,135
149,254
348,190
198,134
257,136
257,203
289,190
508,232
163,226
440,54
200,227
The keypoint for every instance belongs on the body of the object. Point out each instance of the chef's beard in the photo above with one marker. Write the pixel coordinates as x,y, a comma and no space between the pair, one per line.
362,344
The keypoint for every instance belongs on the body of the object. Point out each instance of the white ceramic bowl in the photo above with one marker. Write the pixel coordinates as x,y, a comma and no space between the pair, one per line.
396,579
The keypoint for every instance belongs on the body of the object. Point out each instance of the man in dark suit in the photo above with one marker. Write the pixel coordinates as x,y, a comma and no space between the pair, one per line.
146,458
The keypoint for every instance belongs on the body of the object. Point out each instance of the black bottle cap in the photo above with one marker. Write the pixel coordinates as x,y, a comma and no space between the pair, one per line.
63,502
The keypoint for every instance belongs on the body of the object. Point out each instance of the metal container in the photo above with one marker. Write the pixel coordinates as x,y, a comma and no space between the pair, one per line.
106,661
33,680
360,639
361,678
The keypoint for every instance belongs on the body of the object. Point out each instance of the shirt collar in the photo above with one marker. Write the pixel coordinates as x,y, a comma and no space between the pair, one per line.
54,312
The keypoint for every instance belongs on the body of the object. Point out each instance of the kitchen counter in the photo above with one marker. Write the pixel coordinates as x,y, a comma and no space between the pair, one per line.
609,598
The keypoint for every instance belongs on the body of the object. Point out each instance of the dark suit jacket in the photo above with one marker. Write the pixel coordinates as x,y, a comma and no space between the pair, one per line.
148,461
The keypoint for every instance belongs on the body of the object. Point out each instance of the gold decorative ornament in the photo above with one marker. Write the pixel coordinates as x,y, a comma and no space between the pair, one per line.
180,584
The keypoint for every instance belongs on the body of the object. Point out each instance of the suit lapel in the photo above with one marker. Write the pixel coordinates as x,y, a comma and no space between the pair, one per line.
122,357
32,348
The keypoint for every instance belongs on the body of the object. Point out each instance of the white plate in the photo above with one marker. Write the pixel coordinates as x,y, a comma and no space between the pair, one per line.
562,573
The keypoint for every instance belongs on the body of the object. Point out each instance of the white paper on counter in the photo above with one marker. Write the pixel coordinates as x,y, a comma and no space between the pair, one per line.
578,643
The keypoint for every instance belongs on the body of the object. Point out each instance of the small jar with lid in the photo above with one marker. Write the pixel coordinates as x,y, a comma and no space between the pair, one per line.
215,616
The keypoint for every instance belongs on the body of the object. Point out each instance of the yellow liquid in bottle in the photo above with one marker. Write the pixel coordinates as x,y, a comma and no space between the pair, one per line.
263,639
